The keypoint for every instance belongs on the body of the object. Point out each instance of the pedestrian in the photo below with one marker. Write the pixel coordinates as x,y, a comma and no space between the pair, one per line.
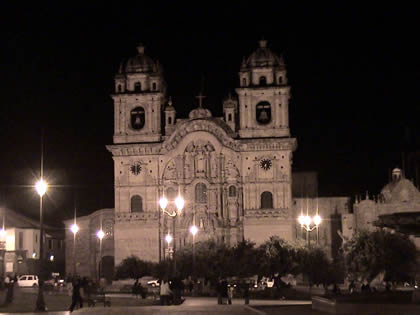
135,288
76,297
352,287
9,287
165,292
224,290
230,293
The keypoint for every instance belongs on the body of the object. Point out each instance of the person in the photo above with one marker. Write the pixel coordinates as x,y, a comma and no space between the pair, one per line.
76,297
336,289
135,288
230,293
246,292
224,290
352,287
9,286
165,292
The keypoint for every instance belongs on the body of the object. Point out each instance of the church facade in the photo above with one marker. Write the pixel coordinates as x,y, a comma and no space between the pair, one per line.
234,172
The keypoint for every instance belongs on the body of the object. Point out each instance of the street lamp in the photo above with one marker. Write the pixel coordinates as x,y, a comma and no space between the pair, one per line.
100,234
193,231
309,224
74,229
179,203
41,187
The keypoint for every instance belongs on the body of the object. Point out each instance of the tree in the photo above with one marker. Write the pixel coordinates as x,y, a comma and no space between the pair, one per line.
315,265
133,267
277,258
369,253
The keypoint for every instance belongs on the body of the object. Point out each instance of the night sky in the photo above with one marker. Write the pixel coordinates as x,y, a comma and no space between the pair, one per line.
353,70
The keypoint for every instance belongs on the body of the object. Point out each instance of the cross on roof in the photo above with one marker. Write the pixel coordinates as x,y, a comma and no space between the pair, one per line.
200,99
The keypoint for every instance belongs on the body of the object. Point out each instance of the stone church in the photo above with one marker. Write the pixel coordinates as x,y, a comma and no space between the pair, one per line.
234,172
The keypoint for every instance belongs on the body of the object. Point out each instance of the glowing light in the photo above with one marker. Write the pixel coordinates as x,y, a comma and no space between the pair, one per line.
41,187
168,238
74,228
317,220
52,258
100,234
193,230
301,219
179,202
3,233
163,202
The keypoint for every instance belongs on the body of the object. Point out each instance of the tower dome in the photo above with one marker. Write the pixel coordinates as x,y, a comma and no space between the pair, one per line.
263,57
141,62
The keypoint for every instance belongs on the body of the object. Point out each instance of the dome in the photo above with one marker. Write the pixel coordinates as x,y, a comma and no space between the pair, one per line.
200,113
141,62
169,107
263,57
400,189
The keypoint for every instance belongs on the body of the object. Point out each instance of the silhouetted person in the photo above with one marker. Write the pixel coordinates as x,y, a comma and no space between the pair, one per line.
76,297
352,287
165,292
224,291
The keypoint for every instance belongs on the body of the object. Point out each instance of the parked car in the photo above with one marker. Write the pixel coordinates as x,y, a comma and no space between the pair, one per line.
153,283
27,281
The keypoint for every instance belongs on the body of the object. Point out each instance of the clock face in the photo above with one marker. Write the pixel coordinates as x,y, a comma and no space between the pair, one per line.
265,164
135,168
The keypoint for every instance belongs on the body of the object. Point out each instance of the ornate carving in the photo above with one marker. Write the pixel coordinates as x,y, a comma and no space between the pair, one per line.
269,213
138,216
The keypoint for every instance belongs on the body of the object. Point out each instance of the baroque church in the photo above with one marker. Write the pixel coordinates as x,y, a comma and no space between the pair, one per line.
234,172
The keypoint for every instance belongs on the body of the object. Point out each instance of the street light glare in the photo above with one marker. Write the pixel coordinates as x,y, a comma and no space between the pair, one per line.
193,230
168,238
308,220
317,219
41,187
74,228
301,219
3,232
179,202
163,202
100,234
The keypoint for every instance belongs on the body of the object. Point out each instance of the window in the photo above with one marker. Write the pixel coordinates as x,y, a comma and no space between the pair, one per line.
136,204
230,117
263,81
50,244
154,86
60,244
200,193
263,112
280,80
137,87
119,88
20,240
169,120
137,118
232,191
266,200
243,82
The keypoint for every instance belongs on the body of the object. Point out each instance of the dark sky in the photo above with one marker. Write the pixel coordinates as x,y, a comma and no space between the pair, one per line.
354,73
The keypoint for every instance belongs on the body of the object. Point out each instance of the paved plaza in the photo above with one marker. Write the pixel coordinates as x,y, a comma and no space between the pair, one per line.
58,303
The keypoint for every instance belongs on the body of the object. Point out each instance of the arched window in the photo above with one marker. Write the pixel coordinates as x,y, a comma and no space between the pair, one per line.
263,80
136,204
119,88
170,193
200,193
280,80
154,86
230,117
169,120
232,191
137,118
243,82
137,87
263,112
266,200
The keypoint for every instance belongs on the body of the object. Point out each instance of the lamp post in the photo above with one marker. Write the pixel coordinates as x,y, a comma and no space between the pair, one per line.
193,231
309,224
100,234
41,187
74,229
179,203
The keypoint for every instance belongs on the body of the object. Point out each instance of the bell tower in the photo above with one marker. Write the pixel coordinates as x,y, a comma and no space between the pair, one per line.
138,100
263,95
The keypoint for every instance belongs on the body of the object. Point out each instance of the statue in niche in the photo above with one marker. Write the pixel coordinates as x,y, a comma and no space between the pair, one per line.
230,170
170,170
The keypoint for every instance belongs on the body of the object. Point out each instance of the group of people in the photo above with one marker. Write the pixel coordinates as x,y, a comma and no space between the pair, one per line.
171,291
225,292
81,289
9,283
138,290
